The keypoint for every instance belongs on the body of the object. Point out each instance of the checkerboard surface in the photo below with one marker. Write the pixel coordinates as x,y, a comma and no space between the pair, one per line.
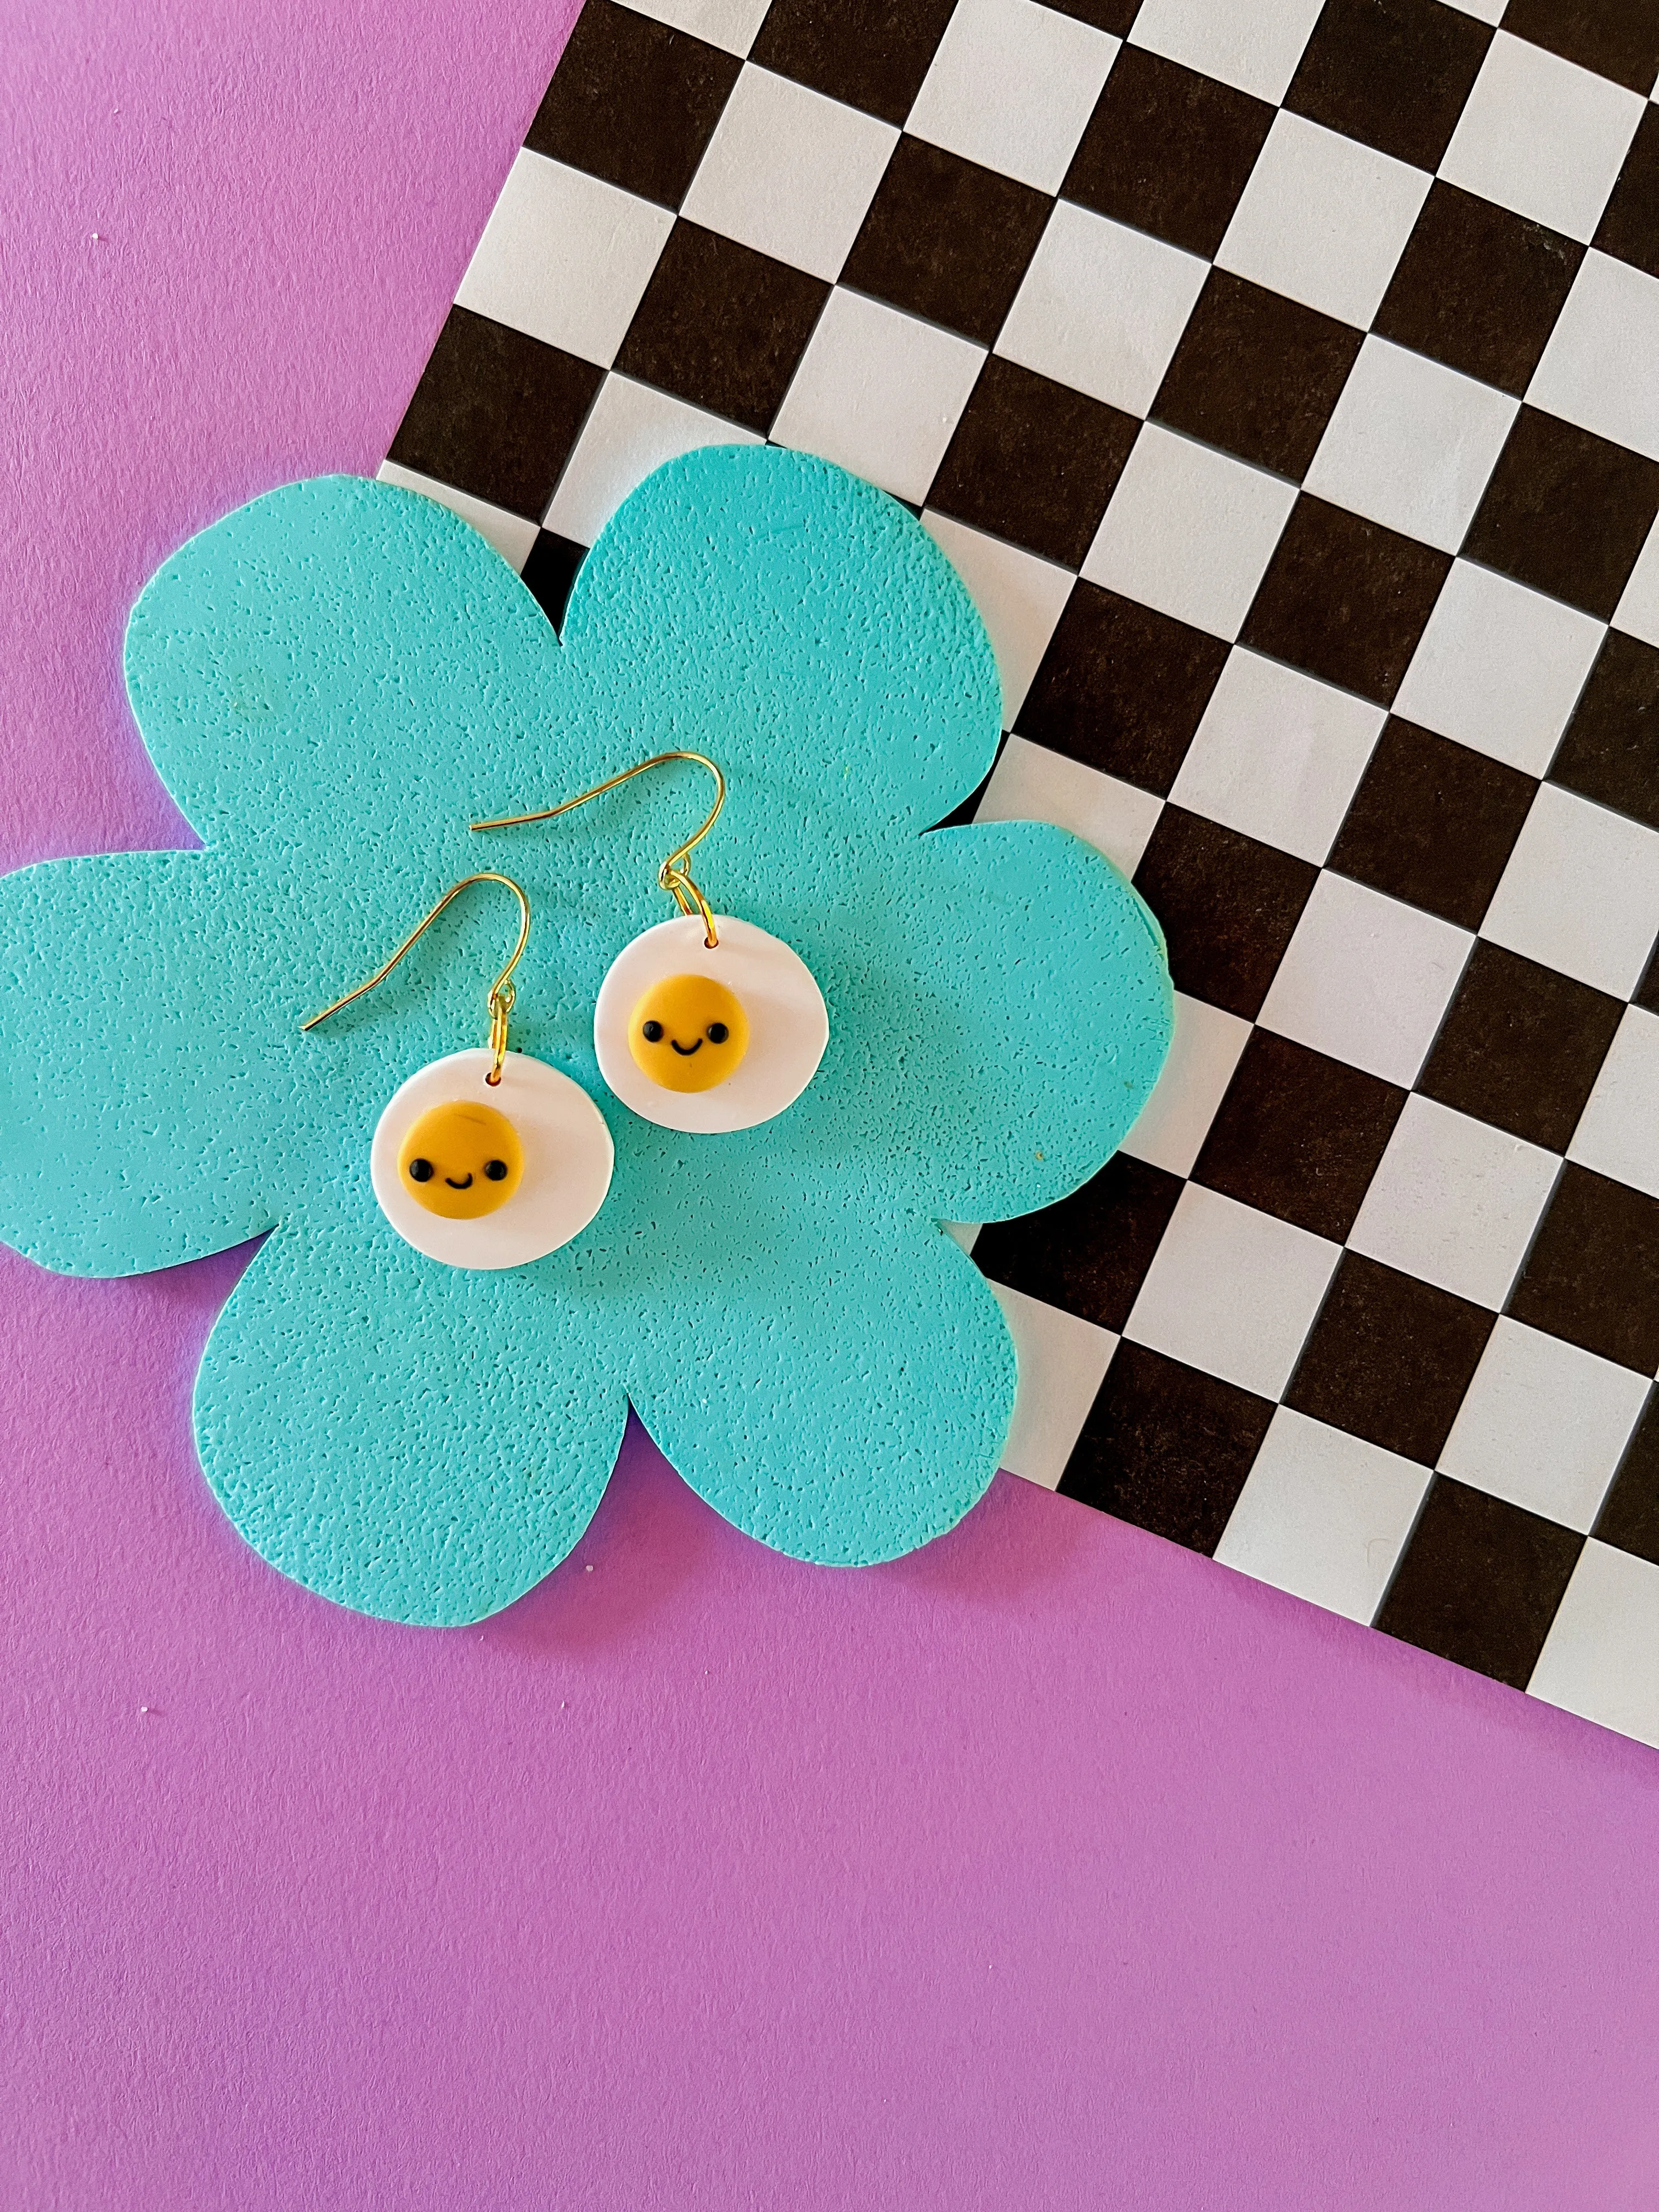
1283,383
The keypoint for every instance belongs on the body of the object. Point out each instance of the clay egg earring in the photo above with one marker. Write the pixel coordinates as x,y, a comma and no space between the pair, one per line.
481,1160
705,1024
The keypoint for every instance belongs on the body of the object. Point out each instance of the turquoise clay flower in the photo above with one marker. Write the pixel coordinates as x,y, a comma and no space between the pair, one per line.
333,681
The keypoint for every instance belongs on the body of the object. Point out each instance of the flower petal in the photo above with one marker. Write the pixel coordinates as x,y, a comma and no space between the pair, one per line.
138,1106
1036,980
418,1442
1000,1008
803,627
843,1398
330,661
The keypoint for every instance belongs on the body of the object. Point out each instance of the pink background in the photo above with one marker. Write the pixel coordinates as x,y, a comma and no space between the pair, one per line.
1054,1868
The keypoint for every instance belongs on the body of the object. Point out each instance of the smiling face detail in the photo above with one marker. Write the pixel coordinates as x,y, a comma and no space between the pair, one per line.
688,1033
460,1160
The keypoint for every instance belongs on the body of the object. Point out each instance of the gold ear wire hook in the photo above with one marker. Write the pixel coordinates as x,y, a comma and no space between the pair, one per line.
502,991
673,875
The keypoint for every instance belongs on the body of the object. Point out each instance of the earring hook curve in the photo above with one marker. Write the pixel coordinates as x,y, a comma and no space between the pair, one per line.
673,875
502,991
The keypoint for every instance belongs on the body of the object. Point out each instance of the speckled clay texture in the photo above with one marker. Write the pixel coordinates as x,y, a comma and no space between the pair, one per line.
333,681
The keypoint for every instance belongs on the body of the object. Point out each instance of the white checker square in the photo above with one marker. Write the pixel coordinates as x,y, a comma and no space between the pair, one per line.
1278,755
1020,597
1498,667
1101,307
1618,1132
631,428
1455,1202
879,392
1581,892
1012,86
1232,1291
1366,979
1544,1425
1256,48
1189,532
790,173
1412,444
510,534
1323,1514
1203,1053
1601,367
1323,219
1062,1363
732,25
1484,11
564,258
1542,136
1031,784
1637,612
1600,1658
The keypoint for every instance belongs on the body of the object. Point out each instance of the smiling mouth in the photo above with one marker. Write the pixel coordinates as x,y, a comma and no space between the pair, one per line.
465,1183
685,1051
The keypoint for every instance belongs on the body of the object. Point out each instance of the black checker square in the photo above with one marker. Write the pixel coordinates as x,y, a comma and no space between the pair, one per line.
1478,288
1121,688
1256,373
1630,1512
1117,16
872,54
722,325
496,414
1618,39
1345,599
1610,751
634,102
1167,1448
1432,823
1629,228
1565,512
1033,461
1394,74
947,239
1089,1253
1478,1582
1520,1046
1592,1275
1168,150
1228,907
1298,1135
550,571
1390,1358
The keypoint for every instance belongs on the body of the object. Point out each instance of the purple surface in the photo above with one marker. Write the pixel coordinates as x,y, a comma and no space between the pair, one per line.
1053,1868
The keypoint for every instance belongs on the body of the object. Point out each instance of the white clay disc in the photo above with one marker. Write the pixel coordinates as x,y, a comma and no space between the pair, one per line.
788,1023
567,1158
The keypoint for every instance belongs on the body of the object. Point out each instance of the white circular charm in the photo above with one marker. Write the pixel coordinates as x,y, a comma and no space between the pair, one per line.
707,1041
482,1176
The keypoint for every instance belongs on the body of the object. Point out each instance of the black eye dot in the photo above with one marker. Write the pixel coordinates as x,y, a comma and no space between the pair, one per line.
717,1033
420,1172
652,1032
496,1171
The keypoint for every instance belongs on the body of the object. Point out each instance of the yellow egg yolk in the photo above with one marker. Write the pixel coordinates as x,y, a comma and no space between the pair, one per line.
461,1160
689,1033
